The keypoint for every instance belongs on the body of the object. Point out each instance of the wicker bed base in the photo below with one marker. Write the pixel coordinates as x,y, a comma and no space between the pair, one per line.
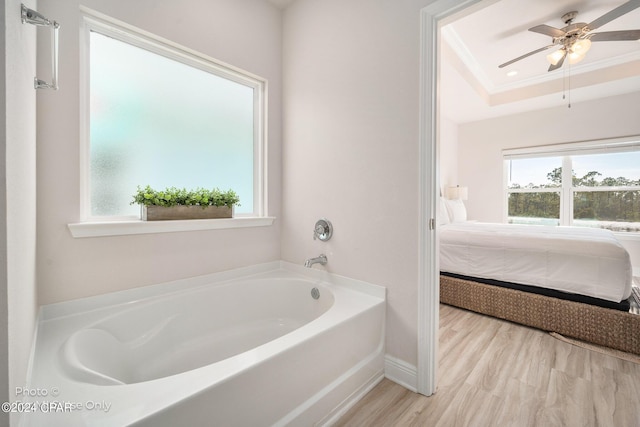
597,325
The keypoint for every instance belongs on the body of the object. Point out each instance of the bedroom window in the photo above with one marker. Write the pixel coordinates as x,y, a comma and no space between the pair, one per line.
588,186
606,191
534,191
165,116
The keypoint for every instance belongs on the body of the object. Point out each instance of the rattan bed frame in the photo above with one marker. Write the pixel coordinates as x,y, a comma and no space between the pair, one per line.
602,326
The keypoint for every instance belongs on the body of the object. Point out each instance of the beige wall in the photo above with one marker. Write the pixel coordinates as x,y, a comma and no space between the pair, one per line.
19,213
351,73
481,143
245,34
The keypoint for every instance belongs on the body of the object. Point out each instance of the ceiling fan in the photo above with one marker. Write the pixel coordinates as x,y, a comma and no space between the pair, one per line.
575,39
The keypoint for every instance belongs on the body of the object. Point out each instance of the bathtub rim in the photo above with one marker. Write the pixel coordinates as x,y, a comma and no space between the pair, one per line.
104,301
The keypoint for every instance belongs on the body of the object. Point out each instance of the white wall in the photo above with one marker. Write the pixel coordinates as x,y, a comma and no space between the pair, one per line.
481,143
246,34
18,169
4,300
351,73
448,154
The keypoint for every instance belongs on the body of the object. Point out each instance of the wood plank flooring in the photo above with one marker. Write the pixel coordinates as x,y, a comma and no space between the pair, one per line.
497,373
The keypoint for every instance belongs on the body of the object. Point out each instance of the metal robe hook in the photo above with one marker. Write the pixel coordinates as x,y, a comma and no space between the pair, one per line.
30,16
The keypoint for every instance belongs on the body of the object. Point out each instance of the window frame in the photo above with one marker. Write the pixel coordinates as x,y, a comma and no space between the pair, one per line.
94,21
567,190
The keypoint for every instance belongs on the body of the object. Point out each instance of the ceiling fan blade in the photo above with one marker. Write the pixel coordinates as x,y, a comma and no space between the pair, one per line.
615,36
615,13
525,55
548,30
559,63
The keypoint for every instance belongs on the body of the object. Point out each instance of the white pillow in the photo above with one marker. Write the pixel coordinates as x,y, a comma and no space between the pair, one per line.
457,210
443,215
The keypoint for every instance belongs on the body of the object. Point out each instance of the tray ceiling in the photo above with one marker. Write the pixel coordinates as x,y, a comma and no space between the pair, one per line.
474,45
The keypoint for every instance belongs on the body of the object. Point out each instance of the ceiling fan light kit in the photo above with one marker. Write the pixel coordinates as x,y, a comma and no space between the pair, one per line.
581,46
574,40
576,52
556,56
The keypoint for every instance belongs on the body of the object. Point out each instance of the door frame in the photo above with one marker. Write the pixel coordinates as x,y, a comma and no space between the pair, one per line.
432,17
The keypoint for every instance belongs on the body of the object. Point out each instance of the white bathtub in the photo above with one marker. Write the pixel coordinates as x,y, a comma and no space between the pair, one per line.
249,347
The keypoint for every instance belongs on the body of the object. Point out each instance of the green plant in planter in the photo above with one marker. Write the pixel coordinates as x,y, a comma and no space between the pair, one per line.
173,196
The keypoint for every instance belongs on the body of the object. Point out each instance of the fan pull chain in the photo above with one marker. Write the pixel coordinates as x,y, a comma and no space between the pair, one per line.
569,84
564,83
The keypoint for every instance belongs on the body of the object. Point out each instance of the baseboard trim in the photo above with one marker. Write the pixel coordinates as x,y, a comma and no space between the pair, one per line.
401,372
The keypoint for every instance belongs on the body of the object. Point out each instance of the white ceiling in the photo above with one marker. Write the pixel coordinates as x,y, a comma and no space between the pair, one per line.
474,88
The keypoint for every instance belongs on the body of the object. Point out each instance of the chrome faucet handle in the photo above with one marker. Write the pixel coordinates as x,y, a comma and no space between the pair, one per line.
323,230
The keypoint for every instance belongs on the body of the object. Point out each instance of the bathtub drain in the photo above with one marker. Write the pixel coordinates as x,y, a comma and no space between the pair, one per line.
315,293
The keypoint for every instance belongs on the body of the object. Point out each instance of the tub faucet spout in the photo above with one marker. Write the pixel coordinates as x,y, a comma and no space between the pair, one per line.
322,259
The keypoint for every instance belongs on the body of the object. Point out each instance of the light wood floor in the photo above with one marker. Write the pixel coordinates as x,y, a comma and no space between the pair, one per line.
497,373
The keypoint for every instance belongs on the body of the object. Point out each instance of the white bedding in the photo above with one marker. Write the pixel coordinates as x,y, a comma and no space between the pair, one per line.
584,261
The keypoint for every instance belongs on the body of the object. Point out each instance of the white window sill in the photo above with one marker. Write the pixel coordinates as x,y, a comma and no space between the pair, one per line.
122,228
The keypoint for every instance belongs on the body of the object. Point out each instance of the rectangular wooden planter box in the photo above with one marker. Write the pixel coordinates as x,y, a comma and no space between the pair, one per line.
163,213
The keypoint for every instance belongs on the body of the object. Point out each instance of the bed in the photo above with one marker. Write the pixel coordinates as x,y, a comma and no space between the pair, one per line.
576,261
573,281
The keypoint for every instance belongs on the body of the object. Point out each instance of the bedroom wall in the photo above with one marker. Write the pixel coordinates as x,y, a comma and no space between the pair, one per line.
246,34
351,73
448,154
481,143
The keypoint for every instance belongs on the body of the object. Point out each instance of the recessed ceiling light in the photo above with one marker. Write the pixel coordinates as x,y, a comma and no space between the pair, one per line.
512,73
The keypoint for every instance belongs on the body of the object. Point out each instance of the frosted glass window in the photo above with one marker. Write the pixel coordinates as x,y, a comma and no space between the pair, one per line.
160,122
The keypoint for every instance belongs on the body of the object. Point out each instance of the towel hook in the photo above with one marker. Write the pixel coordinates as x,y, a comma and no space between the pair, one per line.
30,16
